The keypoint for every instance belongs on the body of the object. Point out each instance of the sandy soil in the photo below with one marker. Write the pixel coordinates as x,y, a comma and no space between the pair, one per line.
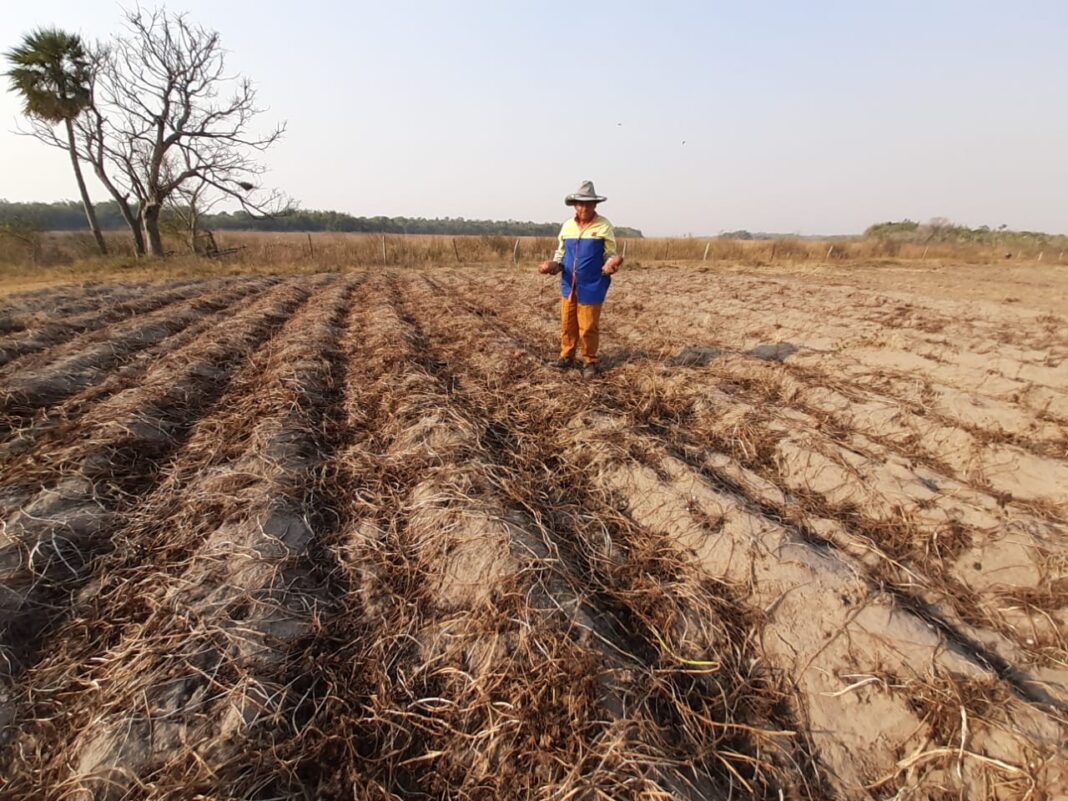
351,536
1031,285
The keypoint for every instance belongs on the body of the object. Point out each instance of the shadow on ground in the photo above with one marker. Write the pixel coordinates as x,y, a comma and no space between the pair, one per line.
694,356
774,351
698,355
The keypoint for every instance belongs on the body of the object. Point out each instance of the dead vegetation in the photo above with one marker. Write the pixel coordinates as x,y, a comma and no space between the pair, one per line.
349,536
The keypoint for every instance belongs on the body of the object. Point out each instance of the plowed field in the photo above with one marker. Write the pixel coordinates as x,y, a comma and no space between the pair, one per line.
350,536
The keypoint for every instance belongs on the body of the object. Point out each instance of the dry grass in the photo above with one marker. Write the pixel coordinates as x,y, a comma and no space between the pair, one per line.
64,257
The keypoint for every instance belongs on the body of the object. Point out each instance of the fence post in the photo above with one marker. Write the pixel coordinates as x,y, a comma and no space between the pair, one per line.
1041,253
924,256
515,253
707,246
624,248
830,250
383,250
311,250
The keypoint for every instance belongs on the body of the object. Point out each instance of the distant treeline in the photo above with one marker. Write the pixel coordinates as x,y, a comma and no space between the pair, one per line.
69,216
748,236
941,231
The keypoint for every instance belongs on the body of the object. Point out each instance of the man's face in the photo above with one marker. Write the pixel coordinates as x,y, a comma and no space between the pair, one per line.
585,211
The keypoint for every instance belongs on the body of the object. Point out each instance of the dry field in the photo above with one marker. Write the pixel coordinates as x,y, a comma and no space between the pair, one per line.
348,536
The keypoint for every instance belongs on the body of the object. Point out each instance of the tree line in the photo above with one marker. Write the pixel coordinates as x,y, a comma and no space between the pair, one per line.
940,230
70,216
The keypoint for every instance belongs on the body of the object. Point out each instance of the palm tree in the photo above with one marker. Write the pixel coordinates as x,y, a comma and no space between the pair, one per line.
53,72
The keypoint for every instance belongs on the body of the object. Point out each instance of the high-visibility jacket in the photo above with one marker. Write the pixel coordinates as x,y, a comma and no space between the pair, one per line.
583,252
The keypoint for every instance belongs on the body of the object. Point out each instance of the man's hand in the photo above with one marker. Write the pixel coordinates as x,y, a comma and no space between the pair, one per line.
612,265
549,267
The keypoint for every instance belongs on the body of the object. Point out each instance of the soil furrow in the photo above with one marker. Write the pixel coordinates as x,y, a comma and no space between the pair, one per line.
26,392
966,397
916,514
878,334
352,537
635,594
796,578
949,548
62,506
57,422
452,596
944,533
32,308
1005,459
997,463
19,349
19,312
242,586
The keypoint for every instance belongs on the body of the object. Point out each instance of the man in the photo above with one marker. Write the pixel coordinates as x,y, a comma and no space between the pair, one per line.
586,259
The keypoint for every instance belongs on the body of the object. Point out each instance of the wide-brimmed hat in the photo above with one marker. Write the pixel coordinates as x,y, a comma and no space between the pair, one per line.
585,194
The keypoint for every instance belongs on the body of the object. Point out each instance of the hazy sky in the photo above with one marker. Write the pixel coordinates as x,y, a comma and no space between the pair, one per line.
808,116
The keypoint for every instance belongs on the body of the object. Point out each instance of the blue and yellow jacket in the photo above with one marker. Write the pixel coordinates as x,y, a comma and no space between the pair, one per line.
583,252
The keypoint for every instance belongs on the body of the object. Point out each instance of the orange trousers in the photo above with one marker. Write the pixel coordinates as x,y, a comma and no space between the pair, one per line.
579,325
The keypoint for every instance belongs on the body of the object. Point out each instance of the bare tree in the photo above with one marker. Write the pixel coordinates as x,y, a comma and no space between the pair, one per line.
159,121
185,206
97,148
183,210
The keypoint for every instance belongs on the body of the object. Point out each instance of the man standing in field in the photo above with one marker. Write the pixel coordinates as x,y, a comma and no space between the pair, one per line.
586,260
